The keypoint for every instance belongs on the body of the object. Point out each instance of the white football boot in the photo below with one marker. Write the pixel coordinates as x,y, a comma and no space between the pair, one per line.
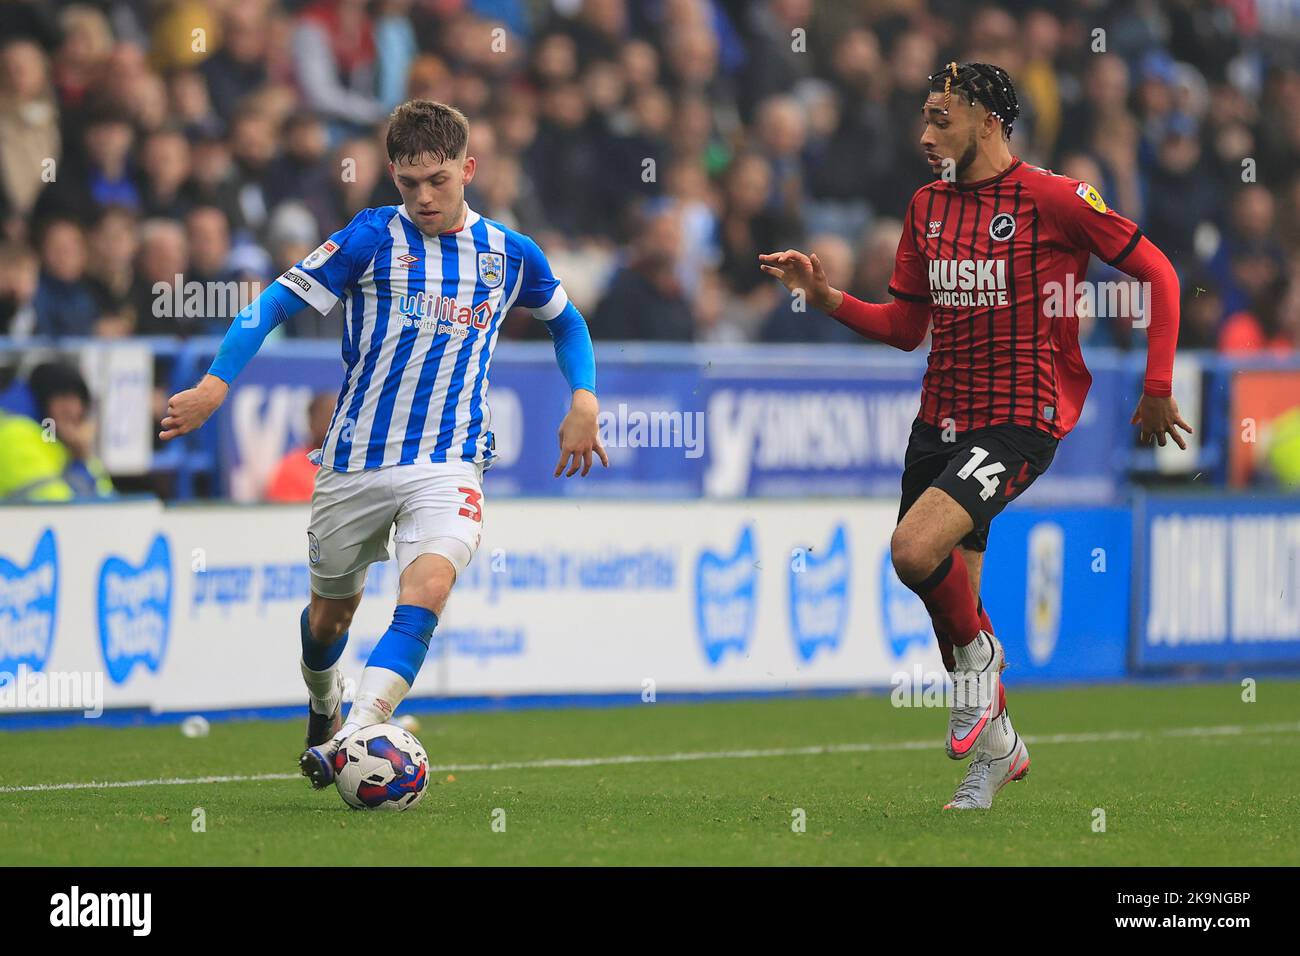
975,693
987,774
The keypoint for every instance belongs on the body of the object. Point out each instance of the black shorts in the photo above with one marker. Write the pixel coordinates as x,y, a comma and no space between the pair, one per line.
983,469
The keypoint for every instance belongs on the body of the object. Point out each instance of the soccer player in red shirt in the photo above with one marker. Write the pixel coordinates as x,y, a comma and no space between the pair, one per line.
981,250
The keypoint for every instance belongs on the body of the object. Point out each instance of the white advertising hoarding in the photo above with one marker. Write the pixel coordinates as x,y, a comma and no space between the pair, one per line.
189,609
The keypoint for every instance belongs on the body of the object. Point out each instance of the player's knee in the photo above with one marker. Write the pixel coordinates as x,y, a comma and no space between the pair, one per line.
428,580
427,594
913,561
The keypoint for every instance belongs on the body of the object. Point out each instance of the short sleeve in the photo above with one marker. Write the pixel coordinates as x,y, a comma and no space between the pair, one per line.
322,277
910,281
541,290
1086,222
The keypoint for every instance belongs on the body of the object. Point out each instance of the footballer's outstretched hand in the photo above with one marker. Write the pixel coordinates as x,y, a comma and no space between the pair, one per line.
1158,417
579,435
189,409
804,275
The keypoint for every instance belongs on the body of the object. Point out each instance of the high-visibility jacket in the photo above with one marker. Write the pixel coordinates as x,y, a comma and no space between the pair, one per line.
35,466
1284,449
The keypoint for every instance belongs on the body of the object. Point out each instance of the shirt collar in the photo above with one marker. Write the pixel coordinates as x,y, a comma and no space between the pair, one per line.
471,217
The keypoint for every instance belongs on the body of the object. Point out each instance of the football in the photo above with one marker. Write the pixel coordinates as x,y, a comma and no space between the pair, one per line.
381,767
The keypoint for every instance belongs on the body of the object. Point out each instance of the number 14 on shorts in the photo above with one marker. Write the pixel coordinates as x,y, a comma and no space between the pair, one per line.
986,475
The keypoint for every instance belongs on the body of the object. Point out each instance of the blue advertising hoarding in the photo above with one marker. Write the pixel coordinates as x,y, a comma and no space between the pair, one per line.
679,424
1218,581
1056,584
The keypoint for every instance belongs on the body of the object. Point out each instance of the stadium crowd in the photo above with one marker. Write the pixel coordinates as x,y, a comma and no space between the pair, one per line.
652,148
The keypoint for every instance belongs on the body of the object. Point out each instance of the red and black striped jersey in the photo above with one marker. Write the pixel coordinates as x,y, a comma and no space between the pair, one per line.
983,256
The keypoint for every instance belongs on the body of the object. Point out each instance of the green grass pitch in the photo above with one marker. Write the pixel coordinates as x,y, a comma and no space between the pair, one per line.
702,788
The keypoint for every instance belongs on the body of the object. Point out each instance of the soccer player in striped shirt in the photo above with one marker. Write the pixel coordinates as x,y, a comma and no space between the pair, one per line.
984,249
425,286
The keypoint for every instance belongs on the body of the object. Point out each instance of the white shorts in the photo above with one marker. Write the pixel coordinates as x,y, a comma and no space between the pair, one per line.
437,508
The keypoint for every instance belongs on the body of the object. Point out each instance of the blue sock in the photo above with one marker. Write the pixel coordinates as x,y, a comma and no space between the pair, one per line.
404,644
316,655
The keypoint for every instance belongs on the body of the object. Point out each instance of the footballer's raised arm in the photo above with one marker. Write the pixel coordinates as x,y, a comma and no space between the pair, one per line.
190,408
1085,219
901,323
317,281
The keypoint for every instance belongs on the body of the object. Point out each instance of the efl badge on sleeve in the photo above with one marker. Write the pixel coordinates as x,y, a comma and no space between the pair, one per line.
1093,198
491,268
321,255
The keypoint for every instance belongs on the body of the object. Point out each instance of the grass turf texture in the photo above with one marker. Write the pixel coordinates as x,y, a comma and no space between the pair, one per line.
1169,798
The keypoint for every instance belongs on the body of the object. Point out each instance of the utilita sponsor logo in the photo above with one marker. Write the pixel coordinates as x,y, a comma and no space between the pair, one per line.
428,310
74,908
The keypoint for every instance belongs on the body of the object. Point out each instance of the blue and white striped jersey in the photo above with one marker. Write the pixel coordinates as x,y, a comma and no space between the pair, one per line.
421,317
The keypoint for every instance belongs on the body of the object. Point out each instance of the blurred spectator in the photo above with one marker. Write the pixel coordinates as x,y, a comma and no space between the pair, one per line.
1202,309
29,126
774,63
876,261
165,162
334,55
793,320
750,226
782,132
239,67
65,303
1181,196
294,477
111,271
1249,259
302,170
191,107
252,148
1267,327
159,297
19,279
98,177
51,458
208,237
215,181
78,65
646,300
396,49
750,125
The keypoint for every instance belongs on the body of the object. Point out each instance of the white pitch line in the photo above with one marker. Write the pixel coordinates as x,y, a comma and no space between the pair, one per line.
1226,730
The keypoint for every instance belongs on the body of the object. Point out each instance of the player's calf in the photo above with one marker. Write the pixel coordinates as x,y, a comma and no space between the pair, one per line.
324,637
391,668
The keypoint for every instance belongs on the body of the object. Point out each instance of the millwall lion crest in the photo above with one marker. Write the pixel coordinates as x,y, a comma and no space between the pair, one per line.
491,268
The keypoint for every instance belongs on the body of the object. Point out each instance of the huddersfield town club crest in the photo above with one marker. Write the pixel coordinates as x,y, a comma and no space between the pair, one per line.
491,268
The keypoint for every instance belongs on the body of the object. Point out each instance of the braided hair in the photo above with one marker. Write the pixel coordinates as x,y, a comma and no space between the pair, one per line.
981,83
